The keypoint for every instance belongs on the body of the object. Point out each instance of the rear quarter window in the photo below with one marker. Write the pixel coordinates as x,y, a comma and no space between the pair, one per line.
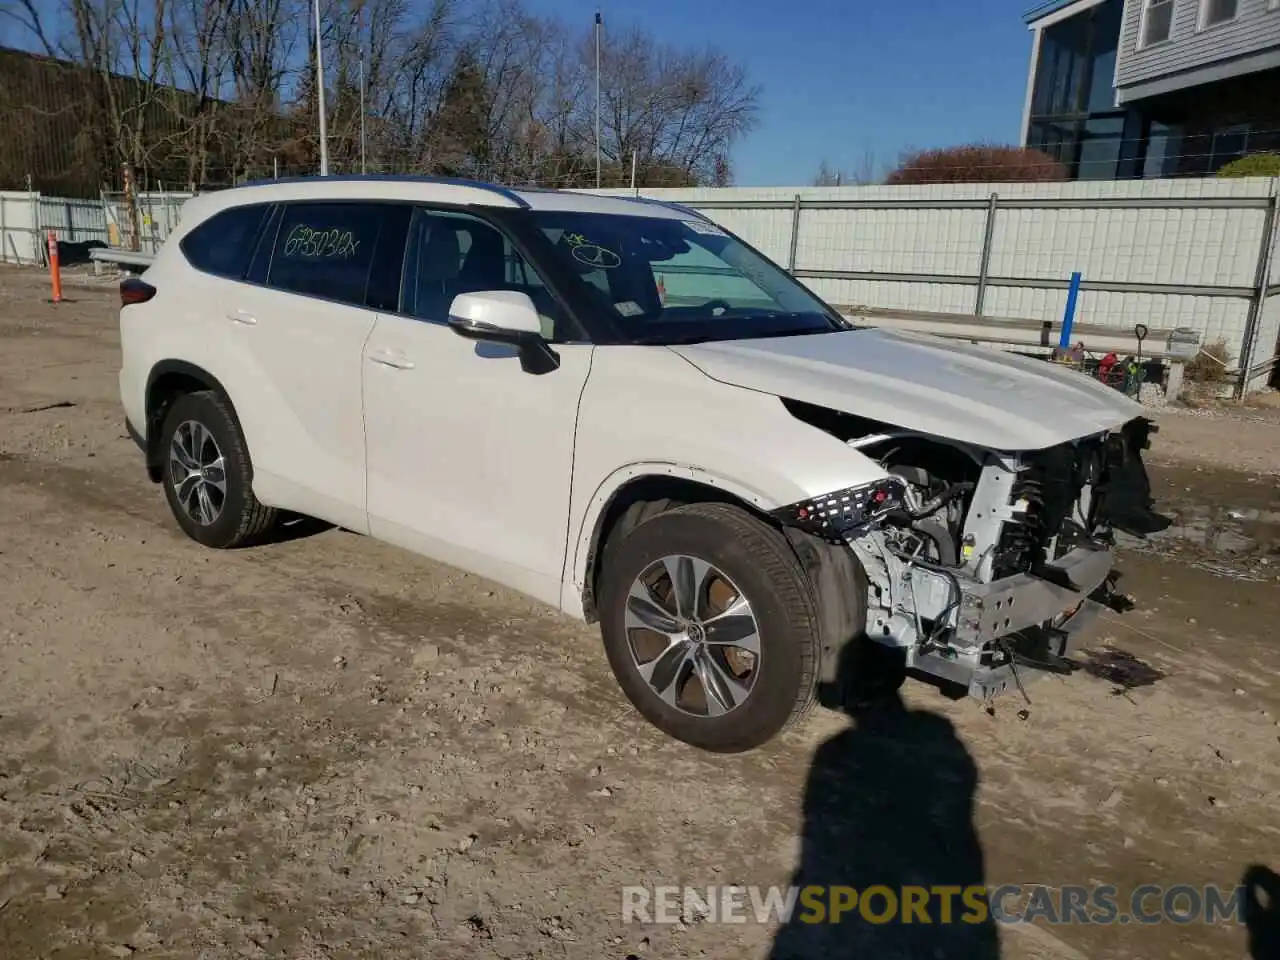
223,244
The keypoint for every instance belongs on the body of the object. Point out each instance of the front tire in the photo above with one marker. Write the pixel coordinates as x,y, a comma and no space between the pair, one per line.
710,626
208,478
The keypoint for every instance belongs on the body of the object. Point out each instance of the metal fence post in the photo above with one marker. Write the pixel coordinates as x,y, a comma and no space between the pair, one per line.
795,233
34,200
1069,314
985,263
4,233
168,221
1261,280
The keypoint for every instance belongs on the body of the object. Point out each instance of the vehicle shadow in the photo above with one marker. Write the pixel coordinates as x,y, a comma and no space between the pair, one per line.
295,526
1262,912
889,804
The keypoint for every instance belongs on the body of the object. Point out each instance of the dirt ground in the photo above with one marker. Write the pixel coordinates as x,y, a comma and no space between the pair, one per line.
329,748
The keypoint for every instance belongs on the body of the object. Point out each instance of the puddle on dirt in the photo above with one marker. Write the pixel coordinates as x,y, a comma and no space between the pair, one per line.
1122,669
1237,537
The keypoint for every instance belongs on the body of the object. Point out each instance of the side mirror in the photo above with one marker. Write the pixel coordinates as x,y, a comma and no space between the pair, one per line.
504,316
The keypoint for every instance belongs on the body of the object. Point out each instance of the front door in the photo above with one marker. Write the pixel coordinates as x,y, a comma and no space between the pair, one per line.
469,457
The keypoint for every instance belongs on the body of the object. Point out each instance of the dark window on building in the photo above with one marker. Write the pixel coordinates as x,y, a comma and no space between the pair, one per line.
1055,139
223,244
1198,130
1218,11
1061,70
1074,117
1229,144
1157,22
1100,143
1164,146
1102,82
326,250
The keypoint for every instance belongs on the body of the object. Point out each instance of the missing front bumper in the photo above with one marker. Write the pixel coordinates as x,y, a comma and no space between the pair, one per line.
984,681
998,609
1019,628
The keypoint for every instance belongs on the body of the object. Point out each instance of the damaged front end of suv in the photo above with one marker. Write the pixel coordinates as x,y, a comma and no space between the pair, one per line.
981,565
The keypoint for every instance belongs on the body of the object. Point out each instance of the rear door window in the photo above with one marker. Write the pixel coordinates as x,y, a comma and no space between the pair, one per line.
326,250
223,244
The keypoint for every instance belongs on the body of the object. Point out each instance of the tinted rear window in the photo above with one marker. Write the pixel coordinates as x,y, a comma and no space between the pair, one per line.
326,249
223,244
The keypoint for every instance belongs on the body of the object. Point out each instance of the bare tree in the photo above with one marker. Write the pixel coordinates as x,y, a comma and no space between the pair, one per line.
672,108
863,174
867,170
211,91
199,67
426,51
829,176
26,14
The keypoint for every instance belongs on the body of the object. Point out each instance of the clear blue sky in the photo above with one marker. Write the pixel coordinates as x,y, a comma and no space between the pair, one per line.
842,76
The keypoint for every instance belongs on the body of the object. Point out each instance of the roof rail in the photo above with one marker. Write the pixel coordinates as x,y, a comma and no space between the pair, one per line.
399,178
671,205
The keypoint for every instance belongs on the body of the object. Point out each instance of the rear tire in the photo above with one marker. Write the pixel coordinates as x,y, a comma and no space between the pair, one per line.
721,682
207,475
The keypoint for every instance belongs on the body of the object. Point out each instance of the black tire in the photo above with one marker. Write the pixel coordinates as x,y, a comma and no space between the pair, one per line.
760,562
241,520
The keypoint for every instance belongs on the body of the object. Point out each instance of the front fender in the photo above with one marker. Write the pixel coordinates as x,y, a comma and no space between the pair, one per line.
645,411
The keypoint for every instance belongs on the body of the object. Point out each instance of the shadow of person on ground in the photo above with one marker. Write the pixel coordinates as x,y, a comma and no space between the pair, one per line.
889,803
1262,912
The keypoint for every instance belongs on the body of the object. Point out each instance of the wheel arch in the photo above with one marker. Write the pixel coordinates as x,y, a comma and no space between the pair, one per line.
167,381
635,493
632,494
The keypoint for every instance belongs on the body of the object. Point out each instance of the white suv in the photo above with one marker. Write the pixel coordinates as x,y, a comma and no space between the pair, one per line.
619,408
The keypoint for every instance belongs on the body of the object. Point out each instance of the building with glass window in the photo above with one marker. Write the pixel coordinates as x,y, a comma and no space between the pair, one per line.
1122,89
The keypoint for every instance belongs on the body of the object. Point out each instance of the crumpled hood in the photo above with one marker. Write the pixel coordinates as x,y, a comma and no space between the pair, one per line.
977,395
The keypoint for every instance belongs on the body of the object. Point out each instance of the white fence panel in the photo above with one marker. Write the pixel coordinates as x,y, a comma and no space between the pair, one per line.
1165,253
890,241
74,220
19,227
770,230
26,219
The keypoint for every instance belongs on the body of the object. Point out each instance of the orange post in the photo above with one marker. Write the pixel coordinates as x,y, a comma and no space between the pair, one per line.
55,274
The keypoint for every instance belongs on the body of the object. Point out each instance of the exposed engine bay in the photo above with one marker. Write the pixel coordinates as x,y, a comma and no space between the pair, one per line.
981,562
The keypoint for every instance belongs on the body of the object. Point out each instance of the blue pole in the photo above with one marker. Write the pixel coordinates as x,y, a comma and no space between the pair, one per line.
1069,317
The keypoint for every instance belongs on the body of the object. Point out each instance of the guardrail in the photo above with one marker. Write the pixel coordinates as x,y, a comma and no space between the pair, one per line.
127,259
1173,347
1009,331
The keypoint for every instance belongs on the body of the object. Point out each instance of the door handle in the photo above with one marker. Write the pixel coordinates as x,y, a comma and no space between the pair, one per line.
242,316
394,360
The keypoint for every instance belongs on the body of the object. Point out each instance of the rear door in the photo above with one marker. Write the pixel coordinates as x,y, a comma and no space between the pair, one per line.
301,322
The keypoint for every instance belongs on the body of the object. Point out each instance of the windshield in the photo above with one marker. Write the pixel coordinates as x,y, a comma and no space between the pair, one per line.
679,281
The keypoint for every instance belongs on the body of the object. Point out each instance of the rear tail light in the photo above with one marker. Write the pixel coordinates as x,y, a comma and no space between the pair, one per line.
134,290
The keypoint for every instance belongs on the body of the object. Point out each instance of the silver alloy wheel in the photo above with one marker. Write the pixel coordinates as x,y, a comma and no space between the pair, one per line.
197,472
701,632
